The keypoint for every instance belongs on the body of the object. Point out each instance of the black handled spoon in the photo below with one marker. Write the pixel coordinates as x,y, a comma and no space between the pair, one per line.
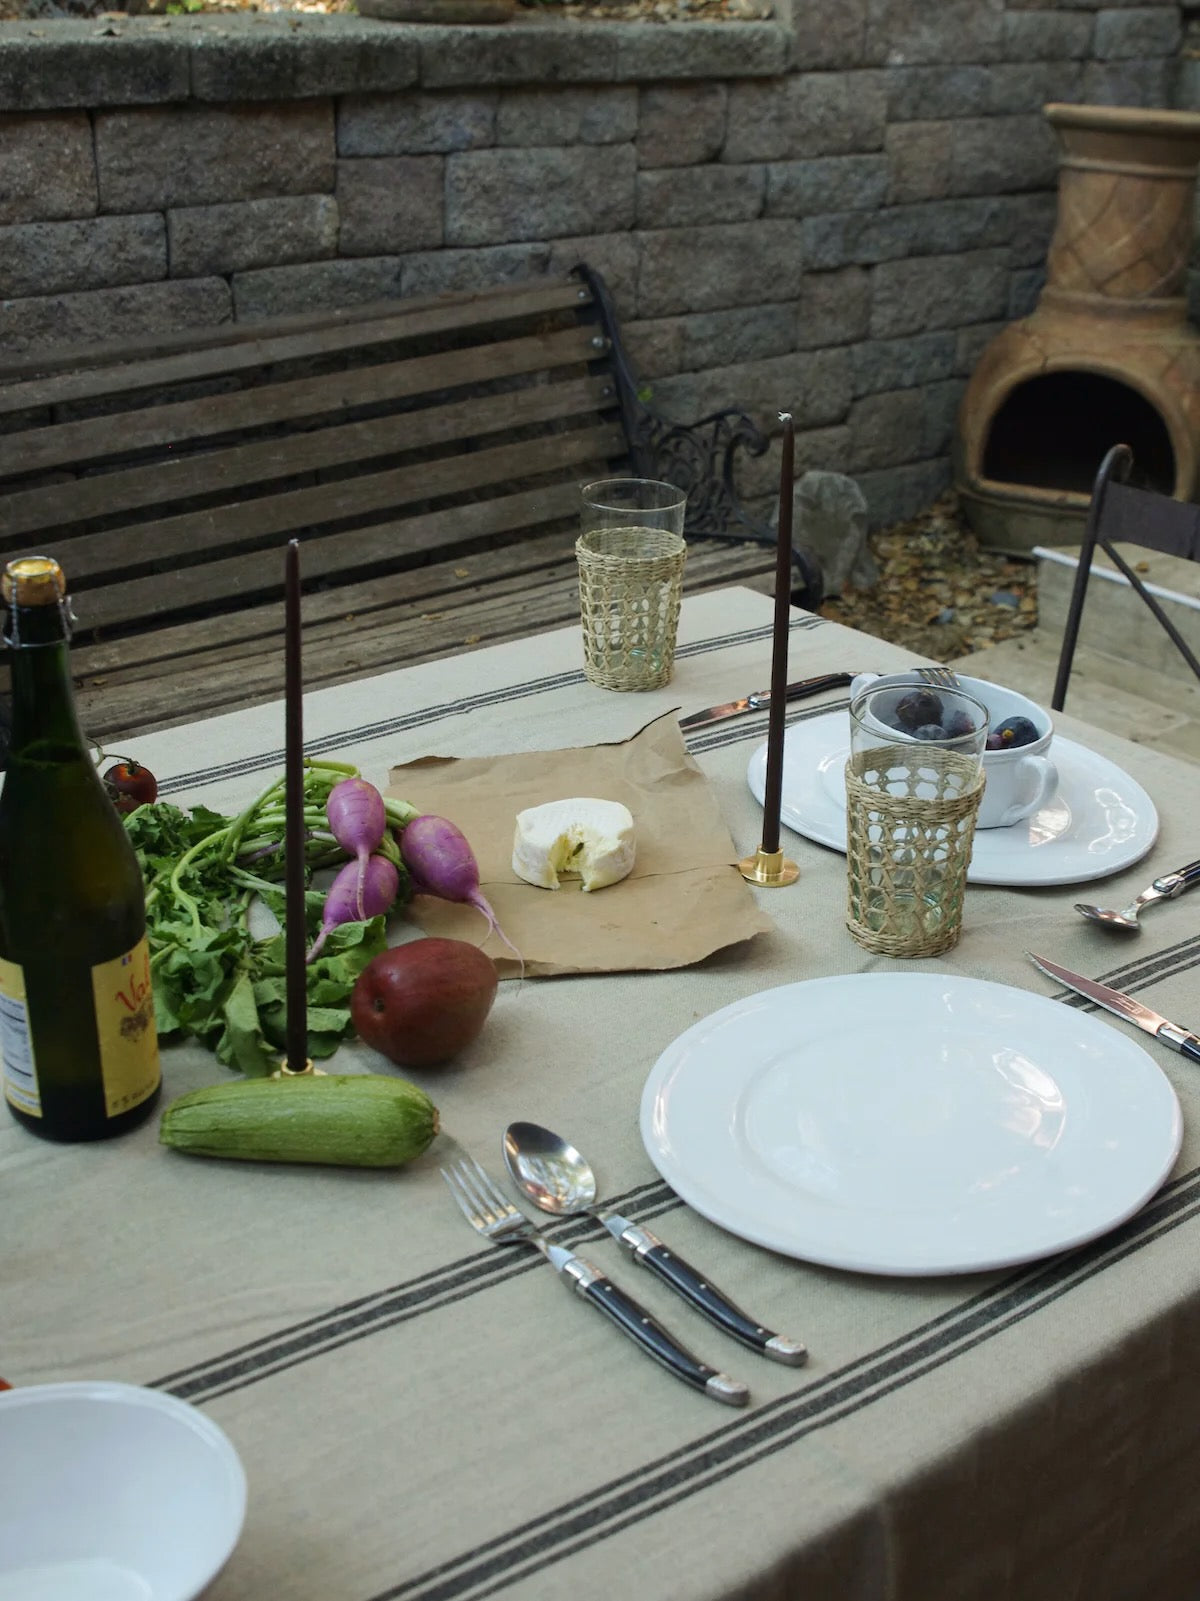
556,1178
1163,889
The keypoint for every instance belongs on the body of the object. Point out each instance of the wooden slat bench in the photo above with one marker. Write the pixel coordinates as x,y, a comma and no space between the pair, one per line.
426,453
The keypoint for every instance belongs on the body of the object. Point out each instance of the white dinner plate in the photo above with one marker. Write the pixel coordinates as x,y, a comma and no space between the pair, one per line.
1098,822
910,1123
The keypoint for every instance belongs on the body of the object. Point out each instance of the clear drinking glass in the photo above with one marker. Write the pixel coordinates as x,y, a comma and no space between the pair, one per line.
630,553
633,503
914,778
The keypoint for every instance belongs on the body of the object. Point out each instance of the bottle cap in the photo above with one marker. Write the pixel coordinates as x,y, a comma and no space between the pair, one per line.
34,581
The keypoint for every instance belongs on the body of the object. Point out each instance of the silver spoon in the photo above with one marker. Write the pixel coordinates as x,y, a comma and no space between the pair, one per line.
1163,889
556,1178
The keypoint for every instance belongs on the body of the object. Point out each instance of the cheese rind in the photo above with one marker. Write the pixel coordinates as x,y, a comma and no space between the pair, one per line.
584,838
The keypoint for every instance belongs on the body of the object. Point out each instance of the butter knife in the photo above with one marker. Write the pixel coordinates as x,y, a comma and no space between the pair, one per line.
648,1251
1179,1039
760,699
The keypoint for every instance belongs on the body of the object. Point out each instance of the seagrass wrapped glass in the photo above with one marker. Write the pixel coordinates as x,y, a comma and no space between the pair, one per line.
630,554
913,787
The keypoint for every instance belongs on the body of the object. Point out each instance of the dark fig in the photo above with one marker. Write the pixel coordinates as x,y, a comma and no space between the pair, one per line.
1015,731
918,708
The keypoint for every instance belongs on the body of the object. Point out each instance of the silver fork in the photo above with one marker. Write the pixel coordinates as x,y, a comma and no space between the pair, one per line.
491,1214
941,677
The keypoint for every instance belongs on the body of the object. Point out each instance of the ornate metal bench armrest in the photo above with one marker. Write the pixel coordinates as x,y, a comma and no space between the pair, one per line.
699,457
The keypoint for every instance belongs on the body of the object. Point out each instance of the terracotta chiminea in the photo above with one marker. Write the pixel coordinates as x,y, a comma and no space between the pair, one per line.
1107,355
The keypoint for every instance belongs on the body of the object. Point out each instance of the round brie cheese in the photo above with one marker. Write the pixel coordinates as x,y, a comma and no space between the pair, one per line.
592,840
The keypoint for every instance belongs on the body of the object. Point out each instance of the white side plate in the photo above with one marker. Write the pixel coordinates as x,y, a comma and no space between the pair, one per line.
1099,821
910,1123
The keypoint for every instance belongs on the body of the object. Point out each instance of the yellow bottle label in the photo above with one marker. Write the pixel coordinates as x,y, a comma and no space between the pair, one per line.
125,1028
124,1007
17,1066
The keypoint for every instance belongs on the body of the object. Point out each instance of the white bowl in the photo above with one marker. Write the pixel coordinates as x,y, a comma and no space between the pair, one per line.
110,1492
1018,782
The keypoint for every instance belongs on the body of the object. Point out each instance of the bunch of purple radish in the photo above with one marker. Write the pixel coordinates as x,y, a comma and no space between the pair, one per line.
437,855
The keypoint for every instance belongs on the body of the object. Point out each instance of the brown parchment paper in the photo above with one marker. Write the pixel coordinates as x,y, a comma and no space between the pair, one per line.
684,899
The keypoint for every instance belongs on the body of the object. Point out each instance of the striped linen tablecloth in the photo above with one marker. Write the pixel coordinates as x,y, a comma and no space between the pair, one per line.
424,1417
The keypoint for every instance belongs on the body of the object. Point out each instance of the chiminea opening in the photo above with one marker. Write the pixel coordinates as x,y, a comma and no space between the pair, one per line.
1052,432
1107,356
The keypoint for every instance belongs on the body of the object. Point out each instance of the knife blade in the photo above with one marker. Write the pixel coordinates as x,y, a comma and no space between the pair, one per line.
760,699
1179,1039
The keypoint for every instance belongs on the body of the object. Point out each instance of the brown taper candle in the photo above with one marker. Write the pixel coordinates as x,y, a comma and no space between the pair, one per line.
768,866
773,781
297,977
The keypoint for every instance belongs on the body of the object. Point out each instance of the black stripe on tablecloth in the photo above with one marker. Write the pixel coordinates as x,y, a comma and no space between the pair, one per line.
731,1448
1136,975
328,744
351,1321
552,1536
344,1324
368,1314
737,729
606,1510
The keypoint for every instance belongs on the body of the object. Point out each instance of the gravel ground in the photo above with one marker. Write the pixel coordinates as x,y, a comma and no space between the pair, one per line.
938,593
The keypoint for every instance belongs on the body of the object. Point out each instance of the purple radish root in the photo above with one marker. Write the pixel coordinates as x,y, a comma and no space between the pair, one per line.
358,821
378,889
442,863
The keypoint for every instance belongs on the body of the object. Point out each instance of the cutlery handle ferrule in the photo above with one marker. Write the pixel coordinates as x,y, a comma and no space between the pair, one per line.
1172,884
633,1320
701,1293
1181,1040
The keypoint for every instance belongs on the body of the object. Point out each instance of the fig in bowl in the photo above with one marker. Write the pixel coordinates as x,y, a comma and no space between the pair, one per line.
1019,775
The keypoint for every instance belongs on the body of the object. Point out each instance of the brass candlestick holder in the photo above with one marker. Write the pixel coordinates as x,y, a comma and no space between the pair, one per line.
307,1071
770,869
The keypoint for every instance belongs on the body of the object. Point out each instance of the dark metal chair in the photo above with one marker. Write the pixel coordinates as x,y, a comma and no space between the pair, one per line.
1122,514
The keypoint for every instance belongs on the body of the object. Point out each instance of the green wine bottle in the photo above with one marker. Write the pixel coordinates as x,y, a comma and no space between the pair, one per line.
78,1044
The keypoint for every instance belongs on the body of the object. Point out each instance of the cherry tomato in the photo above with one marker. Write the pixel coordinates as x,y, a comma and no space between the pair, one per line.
129,784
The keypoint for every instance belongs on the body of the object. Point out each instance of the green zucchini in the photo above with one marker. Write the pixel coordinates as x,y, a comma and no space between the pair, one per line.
344,1120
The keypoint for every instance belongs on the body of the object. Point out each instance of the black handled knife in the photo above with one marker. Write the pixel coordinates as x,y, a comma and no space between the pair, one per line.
760,699
1179,1039
648,1251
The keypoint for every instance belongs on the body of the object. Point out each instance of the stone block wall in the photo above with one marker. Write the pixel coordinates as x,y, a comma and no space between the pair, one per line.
829,215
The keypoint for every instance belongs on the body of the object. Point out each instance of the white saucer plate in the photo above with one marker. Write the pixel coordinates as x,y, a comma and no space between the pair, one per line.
910,1123
1099,821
